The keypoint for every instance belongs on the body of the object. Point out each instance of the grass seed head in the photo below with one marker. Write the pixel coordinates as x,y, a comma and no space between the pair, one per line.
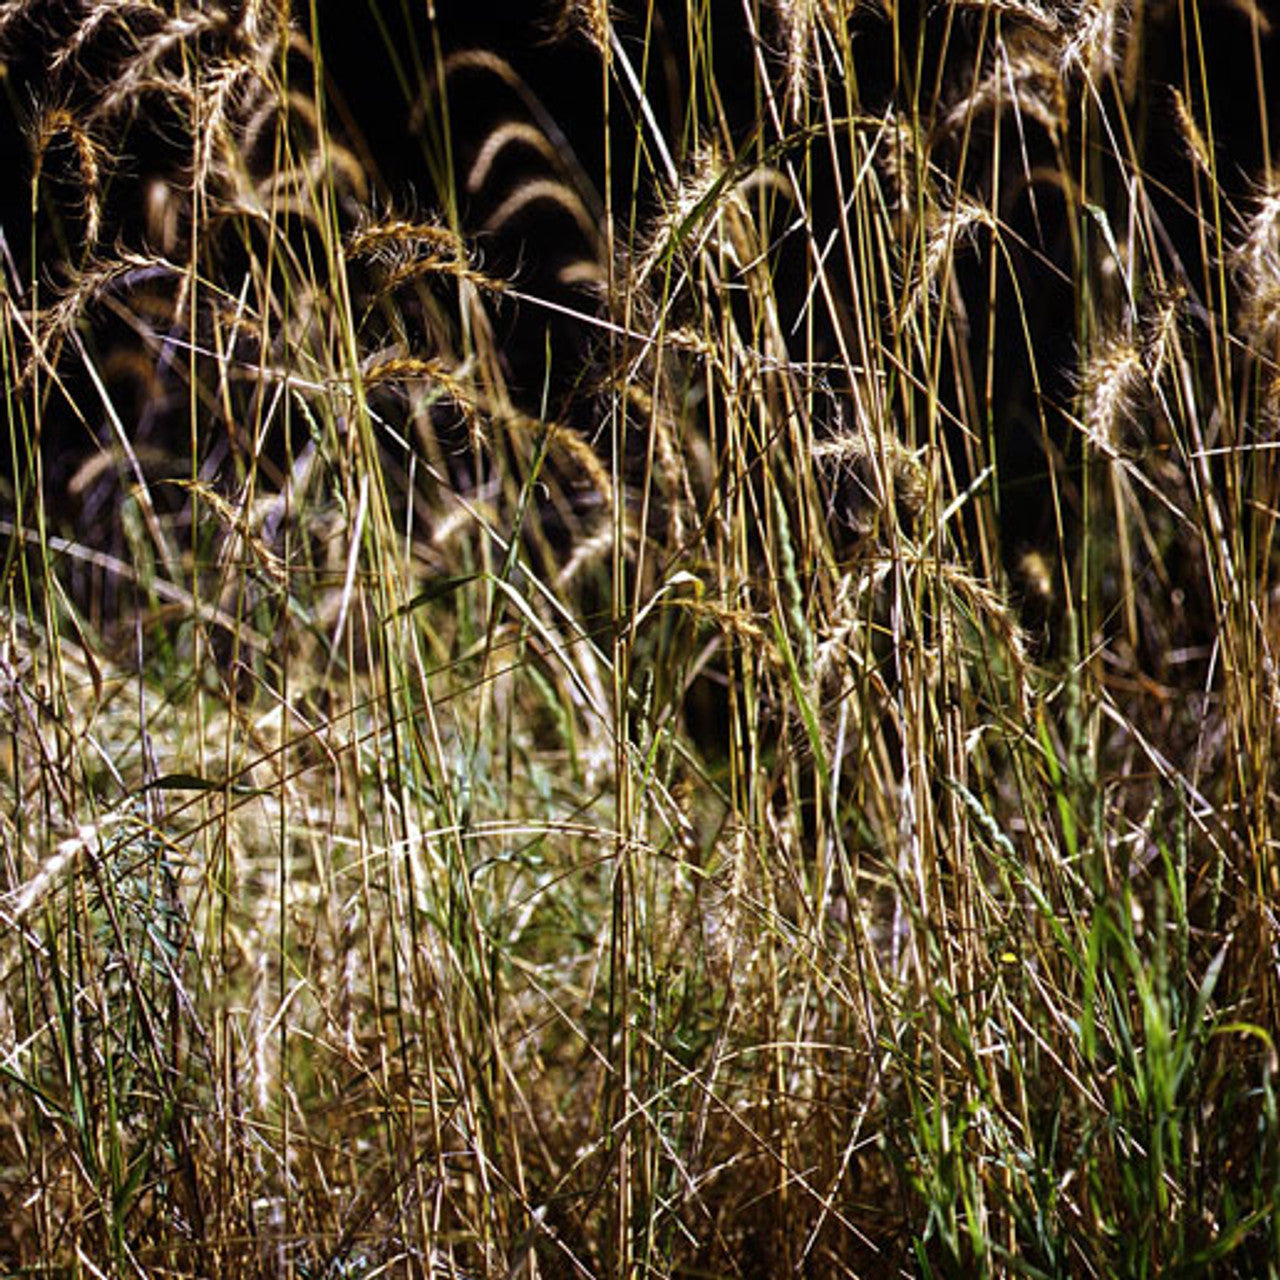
1097,37
1256,259
1197,145
590,18
1025,80
57,122
1113,378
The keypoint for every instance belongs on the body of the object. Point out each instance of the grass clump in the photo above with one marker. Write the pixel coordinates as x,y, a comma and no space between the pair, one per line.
672,678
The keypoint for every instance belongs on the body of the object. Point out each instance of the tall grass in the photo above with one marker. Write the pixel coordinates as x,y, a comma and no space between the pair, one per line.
704,708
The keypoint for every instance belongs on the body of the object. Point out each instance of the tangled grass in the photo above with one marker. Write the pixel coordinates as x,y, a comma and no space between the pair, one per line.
703,706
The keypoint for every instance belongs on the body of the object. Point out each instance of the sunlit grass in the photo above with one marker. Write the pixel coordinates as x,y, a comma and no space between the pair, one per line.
782,787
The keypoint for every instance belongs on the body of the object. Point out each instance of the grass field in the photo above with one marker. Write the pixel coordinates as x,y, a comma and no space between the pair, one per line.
679,687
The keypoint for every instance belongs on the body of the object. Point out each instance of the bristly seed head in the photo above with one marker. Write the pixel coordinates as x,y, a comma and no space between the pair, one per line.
1096,40
90,158
590,18
1112,380
1197,146
1257,266
1024,78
